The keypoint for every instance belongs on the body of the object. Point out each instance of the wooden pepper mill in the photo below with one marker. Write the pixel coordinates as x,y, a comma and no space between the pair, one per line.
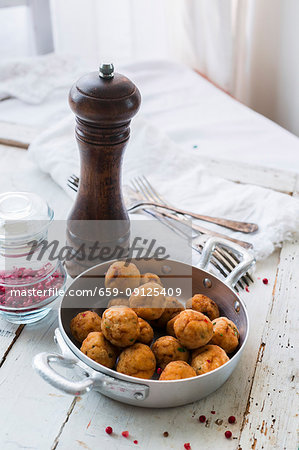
104,103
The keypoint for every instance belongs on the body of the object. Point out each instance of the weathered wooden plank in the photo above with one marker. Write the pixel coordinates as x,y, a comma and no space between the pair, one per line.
86,425
31,410
15,135
271,417
279,180
8,335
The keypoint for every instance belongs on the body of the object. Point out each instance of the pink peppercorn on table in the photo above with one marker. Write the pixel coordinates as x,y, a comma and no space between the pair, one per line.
254,409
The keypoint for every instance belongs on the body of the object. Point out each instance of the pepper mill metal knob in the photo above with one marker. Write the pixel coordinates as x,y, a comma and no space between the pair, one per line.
106,70
104,103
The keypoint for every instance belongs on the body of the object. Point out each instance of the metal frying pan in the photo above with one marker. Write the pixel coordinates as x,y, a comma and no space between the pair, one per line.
136,391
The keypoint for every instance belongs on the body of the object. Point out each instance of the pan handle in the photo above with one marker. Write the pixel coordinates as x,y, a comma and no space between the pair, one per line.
246,259
41,364
107,385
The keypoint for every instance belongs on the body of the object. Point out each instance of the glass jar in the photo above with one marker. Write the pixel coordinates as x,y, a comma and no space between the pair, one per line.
29,281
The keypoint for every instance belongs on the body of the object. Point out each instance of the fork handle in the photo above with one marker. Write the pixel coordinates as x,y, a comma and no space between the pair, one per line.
244,227
204,230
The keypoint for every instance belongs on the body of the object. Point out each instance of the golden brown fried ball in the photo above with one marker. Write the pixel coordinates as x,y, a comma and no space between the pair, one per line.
120,326
146,334
148,301
208,358
167,349
96,347
122,276
118,301
203,304
170,326
150,278
193,329
172,308
84,323
177,370
225,334
137,361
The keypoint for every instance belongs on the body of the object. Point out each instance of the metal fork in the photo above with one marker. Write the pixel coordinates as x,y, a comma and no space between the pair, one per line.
244,227
135,195
224,259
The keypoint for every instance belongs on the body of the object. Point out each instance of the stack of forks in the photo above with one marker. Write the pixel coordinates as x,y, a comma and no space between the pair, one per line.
141,195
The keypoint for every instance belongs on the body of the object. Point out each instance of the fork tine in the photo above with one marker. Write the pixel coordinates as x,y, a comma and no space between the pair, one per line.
134,186
222,261
137,183
232,262
72,184
143,188
153,191
247,275
74,178
72,187
219,267
229,267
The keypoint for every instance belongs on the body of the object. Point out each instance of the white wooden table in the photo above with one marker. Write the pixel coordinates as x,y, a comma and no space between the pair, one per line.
261,393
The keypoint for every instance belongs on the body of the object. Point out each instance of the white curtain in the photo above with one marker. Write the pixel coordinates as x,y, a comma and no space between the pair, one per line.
209,25
249,48
118,30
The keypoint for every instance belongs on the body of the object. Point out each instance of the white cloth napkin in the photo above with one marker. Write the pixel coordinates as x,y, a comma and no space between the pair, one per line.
179,176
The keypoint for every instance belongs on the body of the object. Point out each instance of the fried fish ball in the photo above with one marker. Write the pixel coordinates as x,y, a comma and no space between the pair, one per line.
122,276
150,278
225,334
137,361
83,323
167,349
208,358
96,347
193,329
172,308
118,301
148,301
170,326
120,326
146,334
177,370
205,305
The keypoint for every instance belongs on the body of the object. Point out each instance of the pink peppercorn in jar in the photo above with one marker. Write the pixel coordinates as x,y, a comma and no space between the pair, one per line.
29,281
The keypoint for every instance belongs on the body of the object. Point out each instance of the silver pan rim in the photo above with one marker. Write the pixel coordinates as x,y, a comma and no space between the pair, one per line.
118,375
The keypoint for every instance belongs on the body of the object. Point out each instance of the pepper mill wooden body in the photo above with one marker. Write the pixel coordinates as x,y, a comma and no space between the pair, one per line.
104,104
